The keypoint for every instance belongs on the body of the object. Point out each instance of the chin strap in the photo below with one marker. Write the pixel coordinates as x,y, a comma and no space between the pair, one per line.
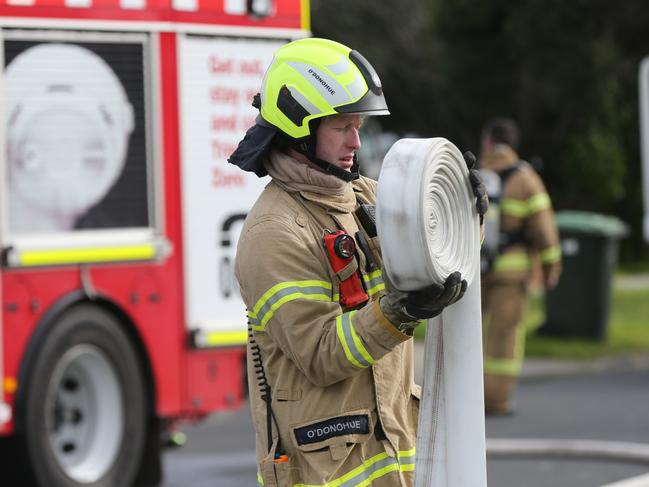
307,147
334,170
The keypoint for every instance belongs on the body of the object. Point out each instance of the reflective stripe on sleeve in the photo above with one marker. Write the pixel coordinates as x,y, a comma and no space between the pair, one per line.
284,292
354,349
538,202
551,254
374,282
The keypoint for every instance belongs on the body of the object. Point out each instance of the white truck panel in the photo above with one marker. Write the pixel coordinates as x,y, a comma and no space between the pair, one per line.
218,78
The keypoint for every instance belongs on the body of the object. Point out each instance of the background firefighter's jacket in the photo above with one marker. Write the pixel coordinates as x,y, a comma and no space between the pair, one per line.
526,211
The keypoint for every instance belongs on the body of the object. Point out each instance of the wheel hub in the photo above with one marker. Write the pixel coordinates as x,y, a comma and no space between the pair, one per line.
85,415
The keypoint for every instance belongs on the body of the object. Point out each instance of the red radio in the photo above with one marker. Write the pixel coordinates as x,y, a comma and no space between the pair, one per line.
340,250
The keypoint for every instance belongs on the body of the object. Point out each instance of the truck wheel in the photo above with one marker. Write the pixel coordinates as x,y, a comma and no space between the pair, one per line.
83,420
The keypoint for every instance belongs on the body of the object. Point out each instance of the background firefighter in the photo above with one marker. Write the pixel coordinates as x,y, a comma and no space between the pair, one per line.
330,353
526,228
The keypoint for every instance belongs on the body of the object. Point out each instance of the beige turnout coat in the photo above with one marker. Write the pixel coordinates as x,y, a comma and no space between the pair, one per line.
525,208
341,380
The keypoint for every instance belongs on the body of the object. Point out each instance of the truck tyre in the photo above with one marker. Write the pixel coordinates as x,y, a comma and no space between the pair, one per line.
82,420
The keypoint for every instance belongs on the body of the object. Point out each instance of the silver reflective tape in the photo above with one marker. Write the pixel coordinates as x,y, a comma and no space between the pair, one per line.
369,472
371,284
306,104
299,291
357,88
340,67
407,460
328,87
349,338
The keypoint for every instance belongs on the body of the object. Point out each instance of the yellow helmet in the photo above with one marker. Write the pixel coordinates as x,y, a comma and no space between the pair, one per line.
307,80
314,78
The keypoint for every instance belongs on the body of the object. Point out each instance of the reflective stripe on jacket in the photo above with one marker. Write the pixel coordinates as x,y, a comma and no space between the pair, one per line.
335,374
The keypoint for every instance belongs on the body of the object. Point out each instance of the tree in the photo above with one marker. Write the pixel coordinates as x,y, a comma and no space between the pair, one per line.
395,38
566,71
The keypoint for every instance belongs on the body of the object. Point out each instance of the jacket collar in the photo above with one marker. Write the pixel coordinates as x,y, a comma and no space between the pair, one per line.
312,184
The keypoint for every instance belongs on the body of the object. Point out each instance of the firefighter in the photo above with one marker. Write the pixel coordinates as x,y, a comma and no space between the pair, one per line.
330,355
526,230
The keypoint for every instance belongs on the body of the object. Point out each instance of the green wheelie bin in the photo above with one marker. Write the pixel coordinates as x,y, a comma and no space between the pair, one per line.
579,306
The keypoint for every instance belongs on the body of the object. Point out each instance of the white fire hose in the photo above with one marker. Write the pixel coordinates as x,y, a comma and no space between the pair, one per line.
428,228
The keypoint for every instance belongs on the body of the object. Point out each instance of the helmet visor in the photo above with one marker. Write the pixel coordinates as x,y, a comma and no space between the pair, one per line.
373,102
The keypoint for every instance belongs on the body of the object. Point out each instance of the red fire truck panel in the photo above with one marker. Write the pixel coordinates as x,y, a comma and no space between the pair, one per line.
266,14
119,217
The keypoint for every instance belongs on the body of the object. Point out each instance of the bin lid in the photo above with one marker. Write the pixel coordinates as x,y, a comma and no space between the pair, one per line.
591,223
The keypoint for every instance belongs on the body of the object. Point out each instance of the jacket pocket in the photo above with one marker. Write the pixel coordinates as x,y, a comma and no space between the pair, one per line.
284,395
350,427
324,445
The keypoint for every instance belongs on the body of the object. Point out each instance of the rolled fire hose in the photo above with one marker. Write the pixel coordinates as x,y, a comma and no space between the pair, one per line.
428,228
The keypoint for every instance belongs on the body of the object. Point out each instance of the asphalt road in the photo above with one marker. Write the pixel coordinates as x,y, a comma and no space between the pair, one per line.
606,406
612,406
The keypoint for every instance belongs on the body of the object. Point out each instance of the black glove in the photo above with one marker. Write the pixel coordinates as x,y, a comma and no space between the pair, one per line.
403,307
479,190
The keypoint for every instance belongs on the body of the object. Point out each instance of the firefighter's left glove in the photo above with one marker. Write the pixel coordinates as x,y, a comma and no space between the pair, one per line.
406,309
479,189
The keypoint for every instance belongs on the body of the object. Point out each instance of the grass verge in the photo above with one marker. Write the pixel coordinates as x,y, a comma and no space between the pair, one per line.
628,330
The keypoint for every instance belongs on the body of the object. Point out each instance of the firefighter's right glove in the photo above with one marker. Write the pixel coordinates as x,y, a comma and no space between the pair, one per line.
479,189
402,308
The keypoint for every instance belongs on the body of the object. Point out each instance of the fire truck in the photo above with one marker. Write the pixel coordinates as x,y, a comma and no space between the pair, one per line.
119,218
